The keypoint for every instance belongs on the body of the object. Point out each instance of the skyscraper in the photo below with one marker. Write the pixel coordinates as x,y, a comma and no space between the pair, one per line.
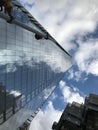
31,64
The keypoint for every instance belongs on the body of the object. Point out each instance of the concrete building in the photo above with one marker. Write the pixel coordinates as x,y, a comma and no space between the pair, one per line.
91,112
79,116
31,64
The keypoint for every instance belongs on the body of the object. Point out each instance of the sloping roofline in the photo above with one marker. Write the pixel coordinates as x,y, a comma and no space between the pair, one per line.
34,21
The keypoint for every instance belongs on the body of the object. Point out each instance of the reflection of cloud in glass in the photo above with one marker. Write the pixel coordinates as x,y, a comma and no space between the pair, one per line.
48,91
38,101
43,51
15,93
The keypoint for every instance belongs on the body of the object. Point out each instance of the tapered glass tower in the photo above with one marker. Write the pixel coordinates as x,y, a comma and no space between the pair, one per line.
31,64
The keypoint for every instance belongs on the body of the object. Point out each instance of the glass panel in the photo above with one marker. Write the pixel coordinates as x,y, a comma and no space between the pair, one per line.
29,69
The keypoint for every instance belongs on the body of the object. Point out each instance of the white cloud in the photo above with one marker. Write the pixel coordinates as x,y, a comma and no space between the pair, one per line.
48,91
87,57
54,96
44,5
70,94
70,17
45,119
75,75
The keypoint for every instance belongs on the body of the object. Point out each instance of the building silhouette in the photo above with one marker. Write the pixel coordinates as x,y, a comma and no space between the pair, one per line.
79,116
31,64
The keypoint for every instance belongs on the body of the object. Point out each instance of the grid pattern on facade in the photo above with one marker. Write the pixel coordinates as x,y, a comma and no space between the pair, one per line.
26,66
29,68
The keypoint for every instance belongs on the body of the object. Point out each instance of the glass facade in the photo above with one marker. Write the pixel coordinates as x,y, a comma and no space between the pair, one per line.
29,71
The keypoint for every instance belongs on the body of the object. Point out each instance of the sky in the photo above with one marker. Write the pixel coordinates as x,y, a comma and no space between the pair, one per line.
74,24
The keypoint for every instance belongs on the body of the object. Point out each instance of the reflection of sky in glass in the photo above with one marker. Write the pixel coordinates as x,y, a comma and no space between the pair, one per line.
27,67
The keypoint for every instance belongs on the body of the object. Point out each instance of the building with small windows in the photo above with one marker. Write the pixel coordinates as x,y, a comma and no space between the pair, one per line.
79,116
91,112
31,64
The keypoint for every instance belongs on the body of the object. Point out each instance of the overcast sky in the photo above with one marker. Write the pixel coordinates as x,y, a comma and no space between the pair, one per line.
74,24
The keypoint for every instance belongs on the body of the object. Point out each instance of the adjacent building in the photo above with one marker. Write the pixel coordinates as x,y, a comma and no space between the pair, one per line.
79,116
31,64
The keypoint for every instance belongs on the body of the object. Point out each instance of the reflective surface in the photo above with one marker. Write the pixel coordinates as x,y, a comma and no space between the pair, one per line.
29,71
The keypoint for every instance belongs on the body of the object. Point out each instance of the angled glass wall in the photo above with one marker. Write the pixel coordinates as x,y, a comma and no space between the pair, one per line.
29,72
